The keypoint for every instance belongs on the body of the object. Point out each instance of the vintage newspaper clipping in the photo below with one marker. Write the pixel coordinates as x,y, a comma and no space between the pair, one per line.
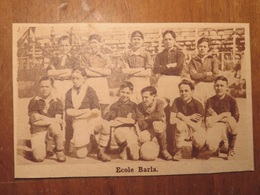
131,99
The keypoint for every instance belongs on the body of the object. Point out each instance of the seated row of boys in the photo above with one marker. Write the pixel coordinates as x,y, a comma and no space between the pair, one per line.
131,124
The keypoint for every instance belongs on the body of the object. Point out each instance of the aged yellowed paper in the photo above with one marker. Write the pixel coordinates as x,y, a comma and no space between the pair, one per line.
131,99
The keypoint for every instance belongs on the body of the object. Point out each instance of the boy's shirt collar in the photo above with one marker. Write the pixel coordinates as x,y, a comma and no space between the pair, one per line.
124,102
66,54
138,52
98,53
203,58
173,49
151,107
47,100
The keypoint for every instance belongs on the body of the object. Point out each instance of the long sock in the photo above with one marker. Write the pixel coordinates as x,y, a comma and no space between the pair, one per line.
231,141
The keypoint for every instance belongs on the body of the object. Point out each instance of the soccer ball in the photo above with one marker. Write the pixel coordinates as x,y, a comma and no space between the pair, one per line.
149,151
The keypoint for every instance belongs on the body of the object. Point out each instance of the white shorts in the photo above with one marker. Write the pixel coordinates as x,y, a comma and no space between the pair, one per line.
83,129
216,134
100,85
168,87
139,83
203,91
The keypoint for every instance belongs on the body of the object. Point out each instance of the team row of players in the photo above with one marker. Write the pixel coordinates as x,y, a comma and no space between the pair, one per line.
132,125
138,66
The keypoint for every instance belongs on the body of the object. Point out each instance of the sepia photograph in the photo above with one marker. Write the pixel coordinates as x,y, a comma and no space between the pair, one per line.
131,99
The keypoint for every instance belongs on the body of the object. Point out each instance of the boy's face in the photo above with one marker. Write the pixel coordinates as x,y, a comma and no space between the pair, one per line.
220,87
169,41
94,45
185,92
148,98
65,46
137,42
203,48
125,94
45,88
77,79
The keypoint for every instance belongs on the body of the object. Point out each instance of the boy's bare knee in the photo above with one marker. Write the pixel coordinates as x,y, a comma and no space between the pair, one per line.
55,127
159,126
39,154
181,127
199,139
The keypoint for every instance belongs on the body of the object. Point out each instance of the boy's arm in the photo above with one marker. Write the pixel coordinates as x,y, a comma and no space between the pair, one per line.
179,63
214,71
99,71
144,73
141,120
194,74
94,71
77,112
189,120
158,114
125,120
37,119
212,120
173,68
82,113
234,110
91,114
132,71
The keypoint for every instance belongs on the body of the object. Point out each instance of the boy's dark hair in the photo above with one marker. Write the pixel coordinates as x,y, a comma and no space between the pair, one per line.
221,78
65,37
137,33
81,70
127,84
151,89
203,39
47,78
169,32
187,82
94,36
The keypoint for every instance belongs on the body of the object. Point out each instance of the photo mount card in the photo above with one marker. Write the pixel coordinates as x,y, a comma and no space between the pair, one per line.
59,130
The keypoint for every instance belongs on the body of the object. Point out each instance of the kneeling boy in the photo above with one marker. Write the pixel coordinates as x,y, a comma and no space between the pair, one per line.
151,120
187,113
222,116
45,118
122,118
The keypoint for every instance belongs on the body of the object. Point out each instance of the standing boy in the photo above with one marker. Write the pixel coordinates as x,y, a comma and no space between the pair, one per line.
203,68
83,117
152,121
45,118
222,116
188,113
122,119
169,64
60,67
138,65
97,66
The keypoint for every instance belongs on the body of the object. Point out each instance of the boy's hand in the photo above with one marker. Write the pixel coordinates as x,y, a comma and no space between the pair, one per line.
209,73
195,117
171,65
130,115
226,114
212,112
35,117
144,136
180,116
114,123
59,120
